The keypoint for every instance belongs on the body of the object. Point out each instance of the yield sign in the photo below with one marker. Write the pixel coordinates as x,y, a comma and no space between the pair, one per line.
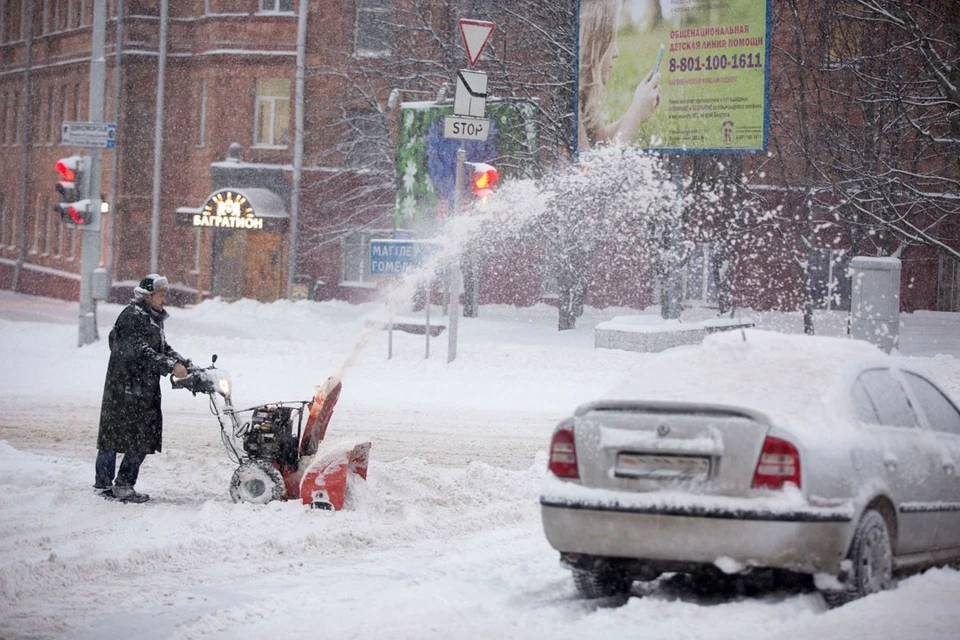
475,34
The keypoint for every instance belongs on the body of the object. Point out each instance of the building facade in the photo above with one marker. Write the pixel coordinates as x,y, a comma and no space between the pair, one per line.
224,76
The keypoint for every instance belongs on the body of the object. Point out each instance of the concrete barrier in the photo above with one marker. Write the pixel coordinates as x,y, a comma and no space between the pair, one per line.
652,334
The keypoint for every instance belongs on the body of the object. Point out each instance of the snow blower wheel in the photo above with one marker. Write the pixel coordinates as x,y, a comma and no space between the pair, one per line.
258,482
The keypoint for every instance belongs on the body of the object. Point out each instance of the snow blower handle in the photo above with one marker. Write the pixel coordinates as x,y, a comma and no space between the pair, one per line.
196,381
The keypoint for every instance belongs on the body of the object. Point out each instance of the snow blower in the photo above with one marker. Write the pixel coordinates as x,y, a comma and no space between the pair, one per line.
284,453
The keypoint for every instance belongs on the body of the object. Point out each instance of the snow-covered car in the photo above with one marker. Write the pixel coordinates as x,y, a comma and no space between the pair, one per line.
792,453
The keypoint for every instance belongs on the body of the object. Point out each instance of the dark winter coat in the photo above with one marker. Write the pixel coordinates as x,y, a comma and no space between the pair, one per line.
131,420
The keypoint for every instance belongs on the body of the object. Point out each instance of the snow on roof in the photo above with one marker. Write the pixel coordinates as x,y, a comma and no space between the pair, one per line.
783,376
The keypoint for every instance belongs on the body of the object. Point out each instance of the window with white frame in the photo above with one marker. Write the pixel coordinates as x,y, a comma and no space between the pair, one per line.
272,126
276,6
374,28
830,278
948,284
698,283
355,256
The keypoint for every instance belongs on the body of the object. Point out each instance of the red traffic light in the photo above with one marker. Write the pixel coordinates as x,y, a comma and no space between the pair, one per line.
67,167
485,178
74,212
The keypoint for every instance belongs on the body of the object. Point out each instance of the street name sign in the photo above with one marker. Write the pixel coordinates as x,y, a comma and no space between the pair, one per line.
462,128
96,135
471,96
476,34
395,257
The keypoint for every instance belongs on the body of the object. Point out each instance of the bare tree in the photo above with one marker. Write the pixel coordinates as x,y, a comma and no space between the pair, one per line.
864,118
613,200
411,52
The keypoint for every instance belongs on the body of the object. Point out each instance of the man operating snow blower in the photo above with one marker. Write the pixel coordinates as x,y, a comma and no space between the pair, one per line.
131,419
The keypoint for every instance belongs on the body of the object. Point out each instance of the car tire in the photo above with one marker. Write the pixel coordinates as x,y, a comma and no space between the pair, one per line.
257,482
871,559
602,581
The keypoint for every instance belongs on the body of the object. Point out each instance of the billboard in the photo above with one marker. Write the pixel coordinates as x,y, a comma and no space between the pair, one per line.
426,160
675,76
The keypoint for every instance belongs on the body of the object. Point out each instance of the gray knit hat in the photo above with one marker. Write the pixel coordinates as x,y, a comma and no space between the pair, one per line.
150,284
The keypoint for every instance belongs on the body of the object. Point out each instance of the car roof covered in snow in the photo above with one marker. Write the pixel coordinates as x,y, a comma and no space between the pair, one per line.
788,377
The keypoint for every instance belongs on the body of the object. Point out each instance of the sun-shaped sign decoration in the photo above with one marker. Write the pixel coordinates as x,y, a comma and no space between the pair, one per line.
228,204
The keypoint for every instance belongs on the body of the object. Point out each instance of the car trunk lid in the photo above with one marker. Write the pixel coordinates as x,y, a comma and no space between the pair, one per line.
707,449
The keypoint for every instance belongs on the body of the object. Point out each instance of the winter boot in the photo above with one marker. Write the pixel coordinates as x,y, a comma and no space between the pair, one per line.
104,491
127,494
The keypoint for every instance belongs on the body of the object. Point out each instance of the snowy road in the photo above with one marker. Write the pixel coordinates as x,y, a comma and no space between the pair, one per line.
442,541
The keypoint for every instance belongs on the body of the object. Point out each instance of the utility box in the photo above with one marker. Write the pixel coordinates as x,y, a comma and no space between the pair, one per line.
100,285
875,301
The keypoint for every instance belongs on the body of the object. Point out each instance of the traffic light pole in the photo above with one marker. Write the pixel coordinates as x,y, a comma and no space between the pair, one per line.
454,276
92,233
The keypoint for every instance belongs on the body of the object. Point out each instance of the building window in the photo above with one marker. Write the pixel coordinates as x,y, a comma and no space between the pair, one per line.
276,6
4,135
15,137
38,221
368,140
355,256
844,37
52,114
65,106
374,28
272,113
77,104
830,278
948,284
698,282
202,128
5,239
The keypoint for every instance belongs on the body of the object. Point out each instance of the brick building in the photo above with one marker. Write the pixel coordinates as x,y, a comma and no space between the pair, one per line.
229,98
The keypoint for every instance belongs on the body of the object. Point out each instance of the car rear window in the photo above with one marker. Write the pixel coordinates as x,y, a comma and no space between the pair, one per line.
940,412
888,398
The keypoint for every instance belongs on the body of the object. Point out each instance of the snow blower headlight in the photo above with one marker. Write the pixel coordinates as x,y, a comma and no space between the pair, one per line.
223,384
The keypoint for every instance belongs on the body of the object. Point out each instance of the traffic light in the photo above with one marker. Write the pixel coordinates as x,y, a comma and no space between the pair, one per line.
484,179
74,206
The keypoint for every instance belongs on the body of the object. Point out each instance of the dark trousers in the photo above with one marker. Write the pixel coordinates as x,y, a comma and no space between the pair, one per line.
107,466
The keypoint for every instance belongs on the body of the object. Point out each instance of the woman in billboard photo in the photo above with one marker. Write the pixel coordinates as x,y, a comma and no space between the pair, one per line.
599,20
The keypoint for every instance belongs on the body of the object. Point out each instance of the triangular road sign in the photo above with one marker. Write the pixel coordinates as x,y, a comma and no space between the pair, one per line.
475,34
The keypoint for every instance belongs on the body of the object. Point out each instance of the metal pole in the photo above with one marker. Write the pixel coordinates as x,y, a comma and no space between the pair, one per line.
158,140
115,157
93,233
426,325
454,272
298,135
390,338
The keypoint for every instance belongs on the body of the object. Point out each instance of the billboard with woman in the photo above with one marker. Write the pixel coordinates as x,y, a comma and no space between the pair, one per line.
676,76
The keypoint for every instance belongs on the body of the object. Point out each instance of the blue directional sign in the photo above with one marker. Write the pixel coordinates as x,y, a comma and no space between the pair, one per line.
396,257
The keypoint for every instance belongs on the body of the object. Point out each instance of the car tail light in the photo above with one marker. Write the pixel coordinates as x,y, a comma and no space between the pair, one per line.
563,455
779,464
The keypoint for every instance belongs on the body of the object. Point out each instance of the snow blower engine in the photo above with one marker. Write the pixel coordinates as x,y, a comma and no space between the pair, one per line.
284,455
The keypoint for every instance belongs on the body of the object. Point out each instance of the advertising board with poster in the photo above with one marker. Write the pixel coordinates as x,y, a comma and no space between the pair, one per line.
673,76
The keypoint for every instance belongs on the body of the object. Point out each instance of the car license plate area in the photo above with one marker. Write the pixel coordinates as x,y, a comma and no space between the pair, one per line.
660,466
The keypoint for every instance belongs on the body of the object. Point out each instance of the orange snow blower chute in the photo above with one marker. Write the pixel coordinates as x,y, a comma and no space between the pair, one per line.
279,461
322,481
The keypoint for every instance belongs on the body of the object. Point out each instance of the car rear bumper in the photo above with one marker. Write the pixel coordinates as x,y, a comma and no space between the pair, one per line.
808,540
